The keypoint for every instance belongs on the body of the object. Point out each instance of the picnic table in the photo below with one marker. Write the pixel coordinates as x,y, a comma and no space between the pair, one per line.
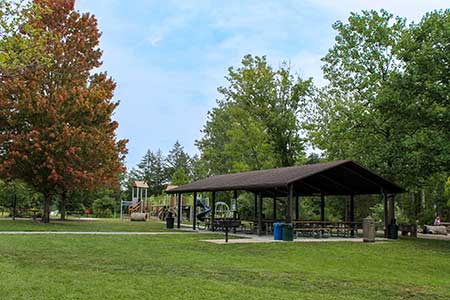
267,225
326,228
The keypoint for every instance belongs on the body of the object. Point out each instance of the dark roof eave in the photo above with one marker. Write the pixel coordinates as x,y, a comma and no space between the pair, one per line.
228,188
219,182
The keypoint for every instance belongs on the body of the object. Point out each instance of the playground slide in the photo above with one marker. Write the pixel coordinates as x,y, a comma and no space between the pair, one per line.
206,210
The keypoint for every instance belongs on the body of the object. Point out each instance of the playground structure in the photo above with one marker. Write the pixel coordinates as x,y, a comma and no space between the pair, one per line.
139,207
206,209
221,210
142,208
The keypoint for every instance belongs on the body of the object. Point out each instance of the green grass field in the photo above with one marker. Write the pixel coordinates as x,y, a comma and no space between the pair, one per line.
77,225
184,267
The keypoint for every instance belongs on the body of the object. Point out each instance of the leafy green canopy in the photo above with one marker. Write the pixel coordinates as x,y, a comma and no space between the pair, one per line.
387,102
256,124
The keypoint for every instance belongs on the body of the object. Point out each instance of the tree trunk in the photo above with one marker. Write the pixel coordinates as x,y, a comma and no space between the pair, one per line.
46,212
62,208
14,210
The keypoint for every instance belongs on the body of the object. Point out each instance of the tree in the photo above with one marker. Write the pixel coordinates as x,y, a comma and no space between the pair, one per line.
256,123
348,121
153,170
103,207
57,118
178,159
21,44
179,177
386,104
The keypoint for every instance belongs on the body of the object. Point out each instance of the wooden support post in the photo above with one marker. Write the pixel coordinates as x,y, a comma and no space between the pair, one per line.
256,206
194,216
386,215
289,206
297,209
235,196
179,210
391,209
213,211
274,207
352,214
260,208
322,207
142,201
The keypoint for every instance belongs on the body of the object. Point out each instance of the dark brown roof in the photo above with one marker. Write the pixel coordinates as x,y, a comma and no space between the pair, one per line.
341,177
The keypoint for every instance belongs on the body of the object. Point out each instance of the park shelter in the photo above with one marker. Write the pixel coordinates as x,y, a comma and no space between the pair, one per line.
342,177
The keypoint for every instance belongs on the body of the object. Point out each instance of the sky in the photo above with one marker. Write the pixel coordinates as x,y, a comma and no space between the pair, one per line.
169,57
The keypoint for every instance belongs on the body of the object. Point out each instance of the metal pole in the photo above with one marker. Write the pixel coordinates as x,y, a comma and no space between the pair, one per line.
226,234
297,211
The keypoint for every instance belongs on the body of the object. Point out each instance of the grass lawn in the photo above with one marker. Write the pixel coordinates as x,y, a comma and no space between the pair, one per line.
80,225
184,267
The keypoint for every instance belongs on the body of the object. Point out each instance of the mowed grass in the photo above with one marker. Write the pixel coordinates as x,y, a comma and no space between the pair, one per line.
185,267
81,225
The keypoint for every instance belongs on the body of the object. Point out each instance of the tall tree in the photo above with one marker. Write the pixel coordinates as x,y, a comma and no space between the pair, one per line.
257,121
349,122
58,129
178,159
387,104
21,44
153,169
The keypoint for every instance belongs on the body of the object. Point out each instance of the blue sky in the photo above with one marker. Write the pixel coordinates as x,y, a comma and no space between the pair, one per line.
169,57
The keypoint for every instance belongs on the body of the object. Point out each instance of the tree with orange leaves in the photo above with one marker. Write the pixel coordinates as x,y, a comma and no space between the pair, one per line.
57,131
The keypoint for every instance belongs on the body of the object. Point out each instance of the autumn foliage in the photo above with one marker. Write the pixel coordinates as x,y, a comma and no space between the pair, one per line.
57,131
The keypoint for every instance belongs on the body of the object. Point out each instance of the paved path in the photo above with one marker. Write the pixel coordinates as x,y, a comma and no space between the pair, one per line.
434,236
91,232
269,239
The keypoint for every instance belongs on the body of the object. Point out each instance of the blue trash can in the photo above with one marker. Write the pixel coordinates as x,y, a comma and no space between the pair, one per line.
278,231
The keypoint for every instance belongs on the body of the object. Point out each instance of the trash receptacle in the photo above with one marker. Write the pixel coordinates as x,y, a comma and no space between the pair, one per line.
278,231
288,232
169,222
369,229
393,231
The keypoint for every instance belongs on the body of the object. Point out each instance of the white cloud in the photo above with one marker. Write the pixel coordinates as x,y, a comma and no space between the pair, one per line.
413,10
166,94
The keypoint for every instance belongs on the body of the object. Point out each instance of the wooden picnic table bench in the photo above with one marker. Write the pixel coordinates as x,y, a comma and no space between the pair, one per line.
325,228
